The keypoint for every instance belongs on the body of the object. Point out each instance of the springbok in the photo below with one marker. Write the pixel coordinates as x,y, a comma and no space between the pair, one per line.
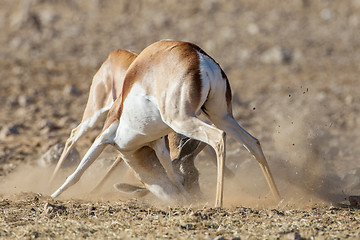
165,89
105,88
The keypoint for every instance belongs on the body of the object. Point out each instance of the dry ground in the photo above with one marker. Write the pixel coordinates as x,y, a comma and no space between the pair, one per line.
294,69
36,216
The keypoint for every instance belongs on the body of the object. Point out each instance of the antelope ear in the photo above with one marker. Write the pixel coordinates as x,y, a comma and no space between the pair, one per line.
125,188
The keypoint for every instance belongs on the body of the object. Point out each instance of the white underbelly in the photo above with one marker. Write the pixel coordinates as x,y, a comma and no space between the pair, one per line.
140,121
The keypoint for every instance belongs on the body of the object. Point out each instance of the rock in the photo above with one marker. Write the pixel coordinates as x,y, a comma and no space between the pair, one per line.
51,208
12,102
277,55
52,156
220,238
8,167
354,201
25,101
253,29
291,236
71,90
48,17
9,130
326,14
47,126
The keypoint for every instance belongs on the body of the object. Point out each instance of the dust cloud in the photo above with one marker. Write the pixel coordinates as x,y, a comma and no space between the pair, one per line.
304,169
32,178
295,88
312,158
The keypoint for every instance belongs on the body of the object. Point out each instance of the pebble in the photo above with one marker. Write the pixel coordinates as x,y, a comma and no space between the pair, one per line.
48,17
9,130
71,90
12,102
291,236
25,101
220,238
354,201
51,208
277,55
326,14
47,126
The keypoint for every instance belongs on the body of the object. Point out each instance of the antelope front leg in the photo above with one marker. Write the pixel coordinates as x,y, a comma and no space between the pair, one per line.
70,142
92,154
193,127
212,156
88,159
268,176
76,134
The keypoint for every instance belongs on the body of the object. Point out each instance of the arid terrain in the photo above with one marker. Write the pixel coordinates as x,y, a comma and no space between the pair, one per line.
294,69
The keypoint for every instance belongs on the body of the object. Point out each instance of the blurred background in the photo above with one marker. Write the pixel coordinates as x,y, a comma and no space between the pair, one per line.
293,67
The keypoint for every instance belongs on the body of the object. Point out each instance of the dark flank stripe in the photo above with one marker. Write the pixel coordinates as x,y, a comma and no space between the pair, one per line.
228,94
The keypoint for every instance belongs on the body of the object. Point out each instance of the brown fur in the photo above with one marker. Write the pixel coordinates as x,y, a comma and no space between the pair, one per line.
168,79
141,66
119,57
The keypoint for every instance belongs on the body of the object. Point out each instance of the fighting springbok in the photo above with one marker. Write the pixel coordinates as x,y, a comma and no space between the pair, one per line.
165,89
105,88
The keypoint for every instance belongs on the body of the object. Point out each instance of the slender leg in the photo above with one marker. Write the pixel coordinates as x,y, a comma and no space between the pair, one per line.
107,175
163,155
194,147
88,159
148,169
212,156
92,154
75,135
184,164
70,142
193,127
229,124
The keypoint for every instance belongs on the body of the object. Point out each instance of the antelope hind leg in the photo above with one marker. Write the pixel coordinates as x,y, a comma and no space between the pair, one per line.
252,145
213,136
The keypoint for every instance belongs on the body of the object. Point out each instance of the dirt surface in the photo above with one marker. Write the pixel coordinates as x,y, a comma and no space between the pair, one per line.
35,216
294,71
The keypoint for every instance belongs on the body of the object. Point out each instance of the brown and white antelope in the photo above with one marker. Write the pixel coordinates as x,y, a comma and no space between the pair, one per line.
165,89
105,88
